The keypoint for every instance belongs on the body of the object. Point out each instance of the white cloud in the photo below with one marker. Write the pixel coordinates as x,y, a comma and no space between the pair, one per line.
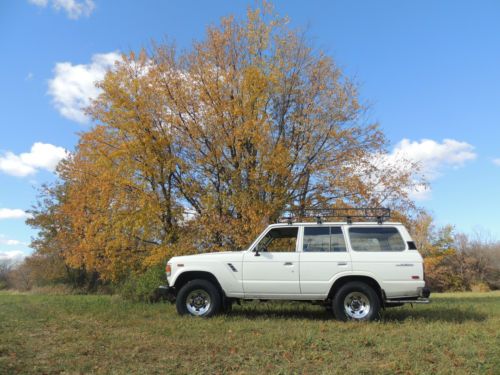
42,156
73,86
496,162
433,158
9,242
39,3
420,192
12,242
13,213
12,257
74,8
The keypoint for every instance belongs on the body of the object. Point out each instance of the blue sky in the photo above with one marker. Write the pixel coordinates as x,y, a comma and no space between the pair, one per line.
430,71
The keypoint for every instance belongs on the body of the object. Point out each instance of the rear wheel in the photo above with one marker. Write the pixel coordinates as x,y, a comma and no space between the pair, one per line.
198,298
356,301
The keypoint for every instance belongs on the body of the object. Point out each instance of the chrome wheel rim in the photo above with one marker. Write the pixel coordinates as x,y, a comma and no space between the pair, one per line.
357,305
198,302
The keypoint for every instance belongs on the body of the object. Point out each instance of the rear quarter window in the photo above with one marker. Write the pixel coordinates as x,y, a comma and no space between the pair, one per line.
376,239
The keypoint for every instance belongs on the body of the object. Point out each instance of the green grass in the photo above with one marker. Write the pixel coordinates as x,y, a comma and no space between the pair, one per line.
51,334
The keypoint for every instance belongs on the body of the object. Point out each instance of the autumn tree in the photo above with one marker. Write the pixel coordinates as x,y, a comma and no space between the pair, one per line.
198,150
456,261
477,262
5,269
48,263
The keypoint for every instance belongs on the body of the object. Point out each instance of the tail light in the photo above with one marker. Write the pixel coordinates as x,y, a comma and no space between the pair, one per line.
168,269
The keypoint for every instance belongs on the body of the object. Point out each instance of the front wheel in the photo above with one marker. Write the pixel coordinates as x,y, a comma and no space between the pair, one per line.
198,298
227,305
356,301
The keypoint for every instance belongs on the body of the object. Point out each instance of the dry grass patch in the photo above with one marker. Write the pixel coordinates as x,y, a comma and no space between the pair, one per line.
53,334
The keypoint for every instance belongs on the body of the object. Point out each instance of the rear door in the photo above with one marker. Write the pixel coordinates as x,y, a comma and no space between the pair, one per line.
323,256
381,251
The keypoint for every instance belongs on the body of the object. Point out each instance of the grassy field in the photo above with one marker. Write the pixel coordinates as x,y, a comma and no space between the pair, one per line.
50,334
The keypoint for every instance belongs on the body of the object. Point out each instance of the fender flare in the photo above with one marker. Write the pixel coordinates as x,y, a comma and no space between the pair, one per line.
340,279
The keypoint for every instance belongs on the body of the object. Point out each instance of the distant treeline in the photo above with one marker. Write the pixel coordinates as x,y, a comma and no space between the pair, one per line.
453,262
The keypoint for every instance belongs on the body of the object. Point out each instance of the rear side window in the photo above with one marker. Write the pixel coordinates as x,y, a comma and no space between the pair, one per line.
376,239
323,239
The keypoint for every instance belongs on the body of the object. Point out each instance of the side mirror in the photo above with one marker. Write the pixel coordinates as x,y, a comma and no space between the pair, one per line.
257,254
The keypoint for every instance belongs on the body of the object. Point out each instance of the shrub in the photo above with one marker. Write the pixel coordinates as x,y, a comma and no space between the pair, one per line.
480,287
144,287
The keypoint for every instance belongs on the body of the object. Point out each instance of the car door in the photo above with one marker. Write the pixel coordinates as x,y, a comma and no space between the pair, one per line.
382,252
271,268
323,257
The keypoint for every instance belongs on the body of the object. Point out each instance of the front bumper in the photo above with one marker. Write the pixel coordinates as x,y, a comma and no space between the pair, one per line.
167,293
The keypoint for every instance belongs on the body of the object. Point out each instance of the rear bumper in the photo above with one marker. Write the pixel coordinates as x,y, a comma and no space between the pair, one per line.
423,298
167,293
424,292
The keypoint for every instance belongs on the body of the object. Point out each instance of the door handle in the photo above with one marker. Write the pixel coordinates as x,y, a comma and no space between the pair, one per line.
342,263
288,264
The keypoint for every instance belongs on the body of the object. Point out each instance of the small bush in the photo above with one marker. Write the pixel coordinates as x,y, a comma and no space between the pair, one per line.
144,287
480,287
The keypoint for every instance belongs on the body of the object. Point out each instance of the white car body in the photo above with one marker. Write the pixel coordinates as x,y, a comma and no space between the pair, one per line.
302,275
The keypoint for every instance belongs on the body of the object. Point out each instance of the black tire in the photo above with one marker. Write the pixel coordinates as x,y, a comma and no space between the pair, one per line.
205,291
365,303
227,305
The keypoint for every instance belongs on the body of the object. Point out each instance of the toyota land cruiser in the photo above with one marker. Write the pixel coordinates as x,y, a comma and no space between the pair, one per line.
354,268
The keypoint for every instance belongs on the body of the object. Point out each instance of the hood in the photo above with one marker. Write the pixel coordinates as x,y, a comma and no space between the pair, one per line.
197,257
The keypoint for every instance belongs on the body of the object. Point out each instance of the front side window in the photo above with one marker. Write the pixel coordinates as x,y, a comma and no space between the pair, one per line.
323,239
279,240
376,239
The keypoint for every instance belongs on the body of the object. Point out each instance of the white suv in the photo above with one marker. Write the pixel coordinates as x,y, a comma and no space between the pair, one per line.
353,268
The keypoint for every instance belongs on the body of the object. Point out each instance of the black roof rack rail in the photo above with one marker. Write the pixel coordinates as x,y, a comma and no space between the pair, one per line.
378,213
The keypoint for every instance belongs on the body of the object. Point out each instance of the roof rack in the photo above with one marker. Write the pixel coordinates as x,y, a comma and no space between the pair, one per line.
292,215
